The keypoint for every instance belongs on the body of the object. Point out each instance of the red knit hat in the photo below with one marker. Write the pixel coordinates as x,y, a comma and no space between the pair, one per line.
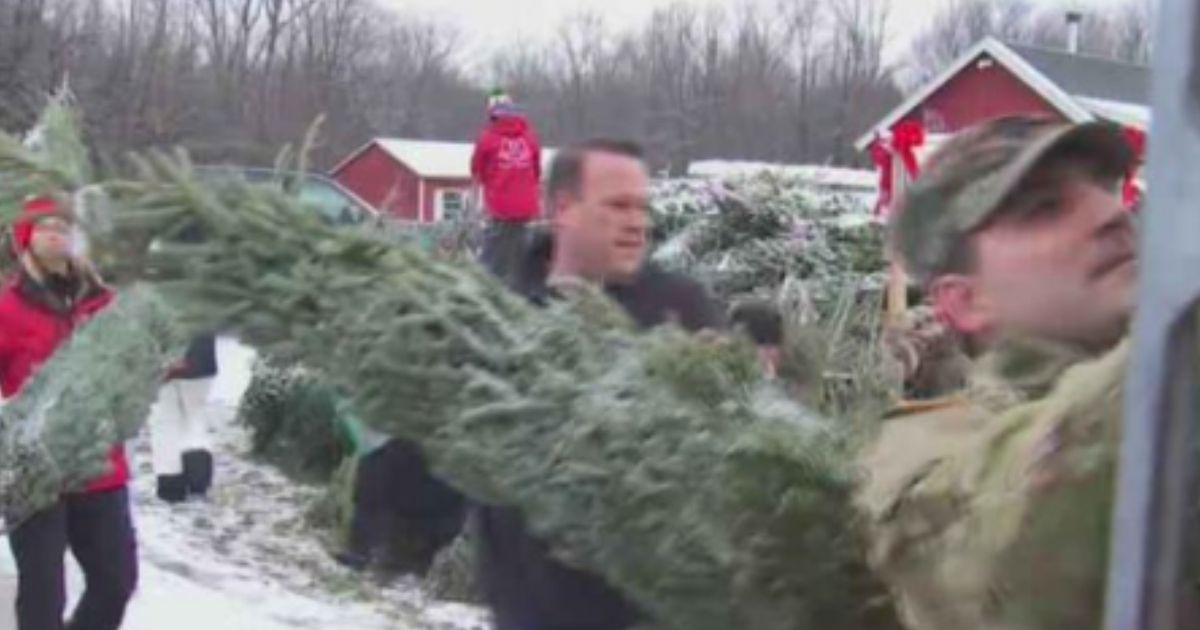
33,211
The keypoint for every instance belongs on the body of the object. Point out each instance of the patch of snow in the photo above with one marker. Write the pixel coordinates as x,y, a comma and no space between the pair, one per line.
234,362
245,558
831,176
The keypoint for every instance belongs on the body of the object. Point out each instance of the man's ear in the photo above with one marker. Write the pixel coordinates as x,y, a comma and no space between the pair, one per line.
958,301
560,208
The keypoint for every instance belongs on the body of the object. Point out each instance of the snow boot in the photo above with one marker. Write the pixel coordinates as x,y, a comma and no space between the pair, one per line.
198,471
172,488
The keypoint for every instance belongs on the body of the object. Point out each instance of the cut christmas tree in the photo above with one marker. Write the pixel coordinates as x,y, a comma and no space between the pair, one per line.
94,392
660,461
294,422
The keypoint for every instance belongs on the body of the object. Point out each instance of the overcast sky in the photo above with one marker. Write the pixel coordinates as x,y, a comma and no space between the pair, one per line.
491,23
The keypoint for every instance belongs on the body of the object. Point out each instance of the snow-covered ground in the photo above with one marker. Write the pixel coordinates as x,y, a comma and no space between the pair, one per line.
245,559
849,178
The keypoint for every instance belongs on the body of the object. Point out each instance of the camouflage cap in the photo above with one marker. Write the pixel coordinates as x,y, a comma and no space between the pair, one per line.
975,174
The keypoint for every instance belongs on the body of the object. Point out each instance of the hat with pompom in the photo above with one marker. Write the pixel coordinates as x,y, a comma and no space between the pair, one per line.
499,103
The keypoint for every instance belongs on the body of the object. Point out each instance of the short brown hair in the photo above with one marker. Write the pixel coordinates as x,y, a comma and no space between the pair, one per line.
566,171
760,320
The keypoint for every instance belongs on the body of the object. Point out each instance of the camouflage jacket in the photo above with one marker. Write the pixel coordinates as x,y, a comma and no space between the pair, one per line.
991,511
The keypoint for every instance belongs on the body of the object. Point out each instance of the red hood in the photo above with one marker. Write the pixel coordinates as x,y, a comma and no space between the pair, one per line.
510,125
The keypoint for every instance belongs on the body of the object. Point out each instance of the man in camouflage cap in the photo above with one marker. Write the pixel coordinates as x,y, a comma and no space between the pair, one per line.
992,510
1018,225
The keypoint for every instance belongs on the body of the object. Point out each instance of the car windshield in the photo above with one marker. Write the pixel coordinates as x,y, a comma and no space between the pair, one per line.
332,202
327,198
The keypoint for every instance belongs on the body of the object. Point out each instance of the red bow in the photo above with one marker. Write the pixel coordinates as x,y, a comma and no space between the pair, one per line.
1136,138
906,137
882,158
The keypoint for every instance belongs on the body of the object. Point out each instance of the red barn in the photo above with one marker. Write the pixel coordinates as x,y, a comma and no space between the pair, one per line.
996,78
417,180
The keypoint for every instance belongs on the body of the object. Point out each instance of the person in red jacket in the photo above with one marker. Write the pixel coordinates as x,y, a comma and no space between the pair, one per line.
507,165
51,292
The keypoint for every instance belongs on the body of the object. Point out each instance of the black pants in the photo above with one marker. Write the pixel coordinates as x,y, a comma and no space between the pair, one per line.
504,244
98,529
393,487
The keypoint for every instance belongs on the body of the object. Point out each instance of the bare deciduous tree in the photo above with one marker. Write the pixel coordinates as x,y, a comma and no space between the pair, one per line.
1122,32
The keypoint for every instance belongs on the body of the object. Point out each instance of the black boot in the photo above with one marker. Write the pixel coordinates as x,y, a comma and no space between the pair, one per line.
172,488
198,471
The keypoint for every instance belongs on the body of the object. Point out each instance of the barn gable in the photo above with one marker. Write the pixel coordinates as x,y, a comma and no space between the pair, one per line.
984,89
388,185
994,78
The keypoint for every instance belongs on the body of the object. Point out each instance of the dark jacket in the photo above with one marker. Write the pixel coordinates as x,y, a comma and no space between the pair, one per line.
200,360
36,317
525,587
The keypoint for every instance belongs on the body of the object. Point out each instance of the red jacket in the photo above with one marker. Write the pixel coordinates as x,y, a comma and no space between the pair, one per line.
508,164
34,321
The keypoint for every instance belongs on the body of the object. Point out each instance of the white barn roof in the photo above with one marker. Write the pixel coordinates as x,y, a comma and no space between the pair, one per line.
432,159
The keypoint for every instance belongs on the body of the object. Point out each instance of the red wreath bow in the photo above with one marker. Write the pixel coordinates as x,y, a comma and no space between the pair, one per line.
905,138
1137,143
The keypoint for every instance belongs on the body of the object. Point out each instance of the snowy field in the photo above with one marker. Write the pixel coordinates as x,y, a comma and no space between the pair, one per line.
245,559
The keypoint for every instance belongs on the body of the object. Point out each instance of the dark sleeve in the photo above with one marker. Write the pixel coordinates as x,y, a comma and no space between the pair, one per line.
201,358
698,310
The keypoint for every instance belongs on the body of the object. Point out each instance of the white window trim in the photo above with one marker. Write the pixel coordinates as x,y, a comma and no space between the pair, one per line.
439,199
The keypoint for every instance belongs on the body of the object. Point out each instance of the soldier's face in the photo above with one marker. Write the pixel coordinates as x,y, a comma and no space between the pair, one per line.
1059,264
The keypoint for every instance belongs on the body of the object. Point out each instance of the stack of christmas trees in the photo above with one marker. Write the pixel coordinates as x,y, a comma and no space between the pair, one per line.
749,235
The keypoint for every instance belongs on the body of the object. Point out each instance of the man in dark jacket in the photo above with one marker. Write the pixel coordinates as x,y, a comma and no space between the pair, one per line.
52,293
507,165
598,198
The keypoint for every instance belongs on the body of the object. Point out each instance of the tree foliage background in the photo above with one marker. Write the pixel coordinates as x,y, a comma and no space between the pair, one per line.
783,80
1121,30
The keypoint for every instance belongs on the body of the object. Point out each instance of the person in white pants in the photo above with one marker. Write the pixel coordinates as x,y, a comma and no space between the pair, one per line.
179,426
